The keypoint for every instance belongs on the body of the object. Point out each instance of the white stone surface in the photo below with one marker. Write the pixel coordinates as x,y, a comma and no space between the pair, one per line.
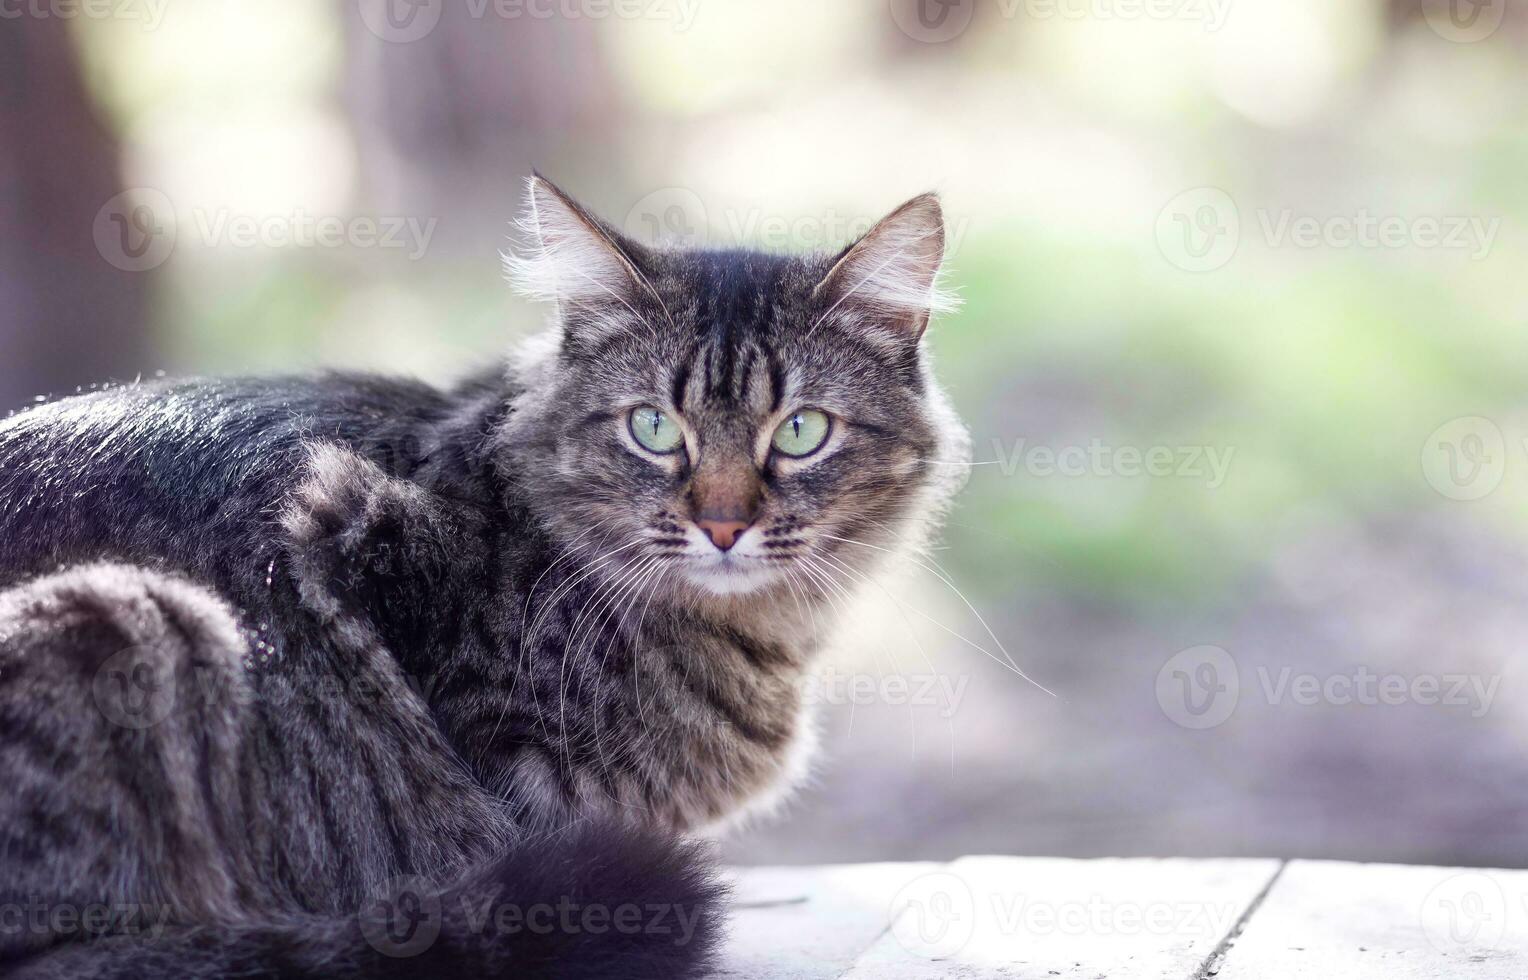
1338,921
997,917
809,923
1055,917
1129,919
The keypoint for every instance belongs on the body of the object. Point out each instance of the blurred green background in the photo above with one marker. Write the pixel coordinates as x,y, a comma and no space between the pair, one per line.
1286,234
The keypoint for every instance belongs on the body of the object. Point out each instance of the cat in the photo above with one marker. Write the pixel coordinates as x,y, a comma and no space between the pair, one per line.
352,676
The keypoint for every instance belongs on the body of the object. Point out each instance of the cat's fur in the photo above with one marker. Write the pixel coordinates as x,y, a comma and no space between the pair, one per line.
277,649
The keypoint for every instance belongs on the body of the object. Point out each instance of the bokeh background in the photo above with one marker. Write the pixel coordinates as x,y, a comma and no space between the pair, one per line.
1242,349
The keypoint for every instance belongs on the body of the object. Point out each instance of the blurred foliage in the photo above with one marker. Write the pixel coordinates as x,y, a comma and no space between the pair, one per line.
1057,143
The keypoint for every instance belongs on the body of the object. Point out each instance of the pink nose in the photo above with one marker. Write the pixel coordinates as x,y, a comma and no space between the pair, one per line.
723,534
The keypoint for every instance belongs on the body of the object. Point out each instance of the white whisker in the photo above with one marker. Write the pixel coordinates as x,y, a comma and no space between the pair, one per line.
962,596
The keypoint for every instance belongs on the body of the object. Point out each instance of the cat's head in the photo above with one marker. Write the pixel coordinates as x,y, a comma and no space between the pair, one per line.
735,420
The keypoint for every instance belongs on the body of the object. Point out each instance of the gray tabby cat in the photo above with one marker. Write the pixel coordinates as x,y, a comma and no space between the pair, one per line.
351,676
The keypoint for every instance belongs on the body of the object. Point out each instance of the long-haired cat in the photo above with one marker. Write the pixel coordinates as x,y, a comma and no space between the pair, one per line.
352,676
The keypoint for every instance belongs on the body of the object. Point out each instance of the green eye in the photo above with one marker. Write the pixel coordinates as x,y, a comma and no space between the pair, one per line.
803,433
655,430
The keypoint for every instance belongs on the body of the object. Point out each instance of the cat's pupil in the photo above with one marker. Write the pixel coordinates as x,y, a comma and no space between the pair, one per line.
796,424
657,421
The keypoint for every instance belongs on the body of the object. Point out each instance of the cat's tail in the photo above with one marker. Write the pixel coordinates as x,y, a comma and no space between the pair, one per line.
593,902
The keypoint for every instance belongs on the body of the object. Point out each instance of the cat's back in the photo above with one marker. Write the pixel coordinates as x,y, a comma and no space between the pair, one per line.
176,472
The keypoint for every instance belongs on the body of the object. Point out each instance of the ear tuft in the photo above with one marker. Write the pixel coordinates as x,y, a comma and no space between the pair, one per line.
567,255
891,275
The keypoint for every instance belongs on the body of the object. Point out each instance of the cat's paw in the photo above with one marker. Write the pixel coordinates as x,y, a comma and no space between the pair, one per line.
356,534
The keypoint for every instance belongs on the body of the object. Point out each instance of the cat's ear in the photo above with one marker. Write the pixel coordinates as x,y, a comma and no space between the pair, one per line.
889,279
570,256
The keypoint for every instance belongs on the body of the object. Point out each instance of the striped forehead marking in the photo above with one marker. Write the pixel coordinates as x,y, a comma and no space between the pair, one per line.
729,374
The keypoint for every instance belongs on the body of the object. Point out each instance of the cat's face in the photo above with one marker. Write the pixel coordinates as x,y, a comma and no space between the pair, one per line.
734,420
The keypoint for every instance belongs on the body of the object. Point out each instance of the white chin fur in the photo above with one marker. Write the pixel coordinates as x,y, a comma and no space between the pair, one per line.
730,577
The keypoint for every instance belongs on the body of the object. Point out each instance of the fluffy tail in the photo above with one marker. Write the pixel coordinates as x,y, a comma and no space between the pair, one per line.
593,902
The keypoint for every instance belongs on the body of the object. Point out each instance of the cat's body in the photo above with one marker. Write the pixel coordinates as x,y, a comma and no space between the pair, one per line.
320,634
308,486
